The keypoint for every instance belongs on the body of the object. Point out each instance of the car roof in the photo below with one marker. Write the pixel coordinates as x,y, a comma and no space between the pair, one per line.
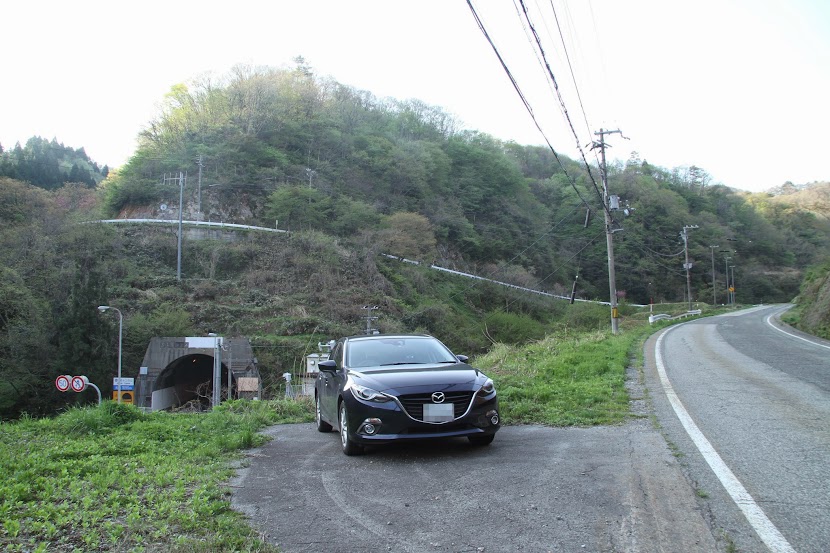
386,336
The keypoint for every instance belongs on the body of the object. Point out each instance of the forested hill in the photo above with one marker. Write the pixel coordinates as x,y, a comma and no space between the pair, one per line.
283,145
50,164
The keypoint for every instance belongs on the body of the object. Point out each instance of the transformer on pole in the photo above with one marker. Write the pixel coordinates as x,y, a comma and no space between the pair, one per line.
608,201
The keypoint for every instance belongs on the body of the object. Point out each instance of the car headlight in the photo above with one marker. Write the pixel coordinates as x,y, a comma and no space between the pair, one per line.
488,387
368,394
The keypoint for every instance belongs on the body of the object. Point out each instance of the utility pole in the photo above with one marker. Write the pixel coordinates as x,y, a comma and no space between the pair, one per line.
726,269
199,188
369,318
182,177
687,265
609,231
714,290
181,208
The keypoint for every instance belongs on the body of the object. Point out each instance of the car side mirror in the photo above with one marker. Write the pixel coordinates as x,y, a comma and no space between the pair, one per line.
328,366
463,358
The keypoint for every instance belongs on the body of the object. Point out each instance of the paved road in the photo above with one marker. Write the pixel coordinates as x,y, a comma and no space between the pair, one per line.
612,489
761,399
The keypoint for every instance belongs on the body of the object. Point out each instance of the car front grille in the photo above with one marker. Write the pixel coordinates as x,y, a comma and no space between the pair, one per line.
414,404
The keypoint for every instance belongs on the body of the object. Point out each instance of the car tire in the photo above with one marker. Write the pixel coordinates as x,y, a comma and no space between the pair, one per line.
349,447
322,426
481,440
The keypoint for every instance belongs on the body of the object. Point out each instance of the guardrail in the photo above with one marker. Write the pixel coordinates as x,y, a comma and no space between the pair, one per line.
232,226
500,283
665,317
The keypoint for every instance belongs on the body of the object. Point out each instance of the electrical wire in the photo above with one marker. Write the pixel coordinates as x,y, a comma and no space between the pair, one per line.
578,253
525,101
570,67
493,276
563,106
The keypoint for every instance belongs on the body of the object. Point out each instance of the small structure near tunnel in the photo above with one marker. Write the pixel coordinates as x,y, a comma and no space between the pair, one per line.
178,371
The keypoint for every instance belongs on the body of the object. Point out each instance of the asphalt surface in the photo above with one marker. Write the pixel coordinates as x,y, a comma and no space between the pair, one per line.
761,398
605,489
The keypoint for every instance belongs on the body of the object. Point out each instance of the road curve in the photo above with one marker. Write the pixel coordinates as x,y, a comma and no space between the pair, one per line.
751,426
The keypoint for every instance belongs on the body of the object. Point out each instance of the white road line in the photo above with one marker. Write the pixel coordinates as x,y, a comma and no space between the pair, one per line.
769,322
765,529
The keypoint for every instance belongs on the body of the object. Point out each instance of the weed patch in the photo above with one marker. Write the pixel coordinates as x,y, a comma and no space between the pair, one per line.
114,478
567,379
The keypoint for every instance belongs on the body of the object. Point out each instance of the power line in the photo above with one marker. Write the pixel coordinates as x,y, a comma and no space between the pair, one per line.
524,100
546,233
562,105
570,67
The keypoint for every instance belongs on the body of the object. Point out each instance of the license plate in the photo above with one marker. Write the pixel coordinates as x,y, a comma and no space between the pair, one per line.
438,412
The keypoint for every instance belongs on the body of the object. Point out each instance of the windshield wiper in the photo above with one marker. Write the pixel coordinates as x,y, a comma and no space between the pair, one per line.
402,363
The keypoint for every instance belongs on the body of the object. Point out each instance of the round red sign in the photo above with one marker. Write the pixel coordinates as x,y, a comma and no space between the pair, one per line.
79,383
62,382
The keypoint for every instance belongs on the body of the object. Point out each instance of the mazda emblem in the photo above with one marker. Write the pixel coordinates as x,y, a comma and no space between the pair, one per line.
438,397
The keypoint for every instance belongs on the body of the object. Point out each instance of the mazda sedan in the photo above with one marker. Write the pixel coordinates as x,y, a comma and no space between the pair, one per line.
383,388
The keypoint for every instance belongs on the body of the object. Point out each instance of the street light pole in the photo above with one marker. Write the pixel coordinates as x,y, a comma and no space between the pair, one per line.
102,308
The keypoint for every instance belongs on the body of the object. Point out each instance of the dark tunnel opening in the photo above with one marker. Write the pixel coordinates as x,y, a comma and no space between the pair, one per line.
192,378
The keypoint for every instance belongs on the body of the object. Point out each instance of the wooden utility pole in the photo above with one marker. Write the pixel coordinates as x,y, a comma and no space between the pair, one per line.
688,266
609,231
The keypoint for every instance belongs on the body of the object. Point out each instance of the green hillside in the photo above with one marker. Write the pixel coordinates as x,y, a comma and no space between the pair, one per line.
314,154
353,177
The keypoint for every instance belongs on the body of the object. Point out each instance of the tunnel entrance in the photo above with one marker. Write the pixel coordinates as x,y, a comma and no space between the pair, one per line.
178,372
190,380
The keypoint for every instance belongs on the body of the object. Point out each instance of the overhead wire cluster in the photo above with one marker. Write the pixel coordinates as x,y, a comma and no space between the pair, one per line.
530,29
525,102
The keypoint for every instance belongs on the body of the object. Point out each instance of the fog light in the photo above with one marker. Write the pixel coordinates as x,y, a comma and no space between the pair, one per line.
370,426
494,417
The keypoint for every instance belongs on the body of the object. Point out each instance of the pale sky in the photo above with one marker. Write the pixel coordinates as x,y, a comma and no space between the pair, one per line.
737,87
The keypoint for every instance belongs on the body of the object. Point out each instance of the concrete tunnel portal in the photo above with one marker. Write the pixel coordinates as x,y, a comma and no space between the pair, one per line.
191,377
179,371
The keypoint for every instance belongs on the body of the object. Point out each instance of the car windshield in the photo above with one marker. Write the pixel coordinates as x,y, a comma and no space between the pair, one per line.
397,351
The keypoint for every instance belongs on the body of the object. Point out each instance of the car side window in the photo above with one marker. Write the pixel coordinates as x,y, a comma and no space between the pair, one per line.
337,355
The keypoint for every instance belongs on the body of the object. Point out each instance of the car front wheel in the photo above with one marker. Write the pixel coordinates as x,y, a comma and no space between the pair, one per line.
349,447
322,426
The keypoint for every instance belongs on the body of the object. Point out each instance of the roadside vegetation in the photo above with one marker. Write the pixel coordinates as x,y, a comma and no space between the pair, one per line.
566,379
812,306
111,478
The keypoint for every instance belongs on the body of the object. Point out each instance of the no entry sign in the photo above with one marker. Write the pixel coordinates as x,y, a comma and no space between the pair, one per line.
62,382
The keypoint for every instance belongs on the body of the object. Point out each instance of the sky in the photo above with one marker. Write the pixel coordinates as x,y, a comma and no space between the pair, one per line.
736,87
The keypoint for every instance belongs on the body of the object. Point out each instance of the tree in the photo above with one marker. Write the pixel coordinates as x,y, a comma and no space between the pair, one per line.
408,235
296,207
24,348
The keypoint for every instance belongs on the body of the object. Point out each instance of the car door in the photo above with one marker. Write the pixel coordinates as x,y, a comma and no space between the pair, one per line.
330,384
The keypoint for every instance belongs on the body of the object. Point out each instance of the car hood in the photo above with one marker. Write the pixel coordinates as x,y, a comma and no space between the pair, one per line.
411,379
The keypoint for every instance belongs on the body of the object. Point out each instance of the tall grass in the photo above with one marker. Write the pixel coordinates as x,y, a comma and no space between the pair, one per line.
114,478
567,379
